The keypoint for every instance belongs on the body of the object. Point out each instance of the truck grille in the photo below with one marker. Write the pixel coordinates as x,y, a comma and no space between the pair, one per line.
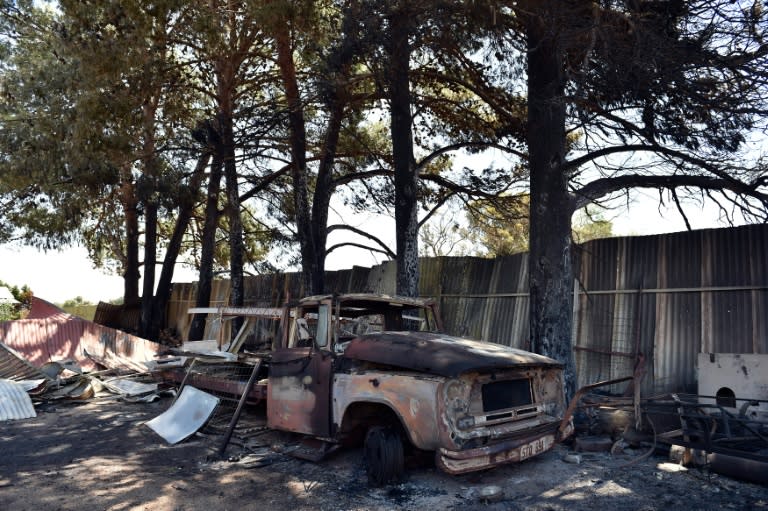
503,395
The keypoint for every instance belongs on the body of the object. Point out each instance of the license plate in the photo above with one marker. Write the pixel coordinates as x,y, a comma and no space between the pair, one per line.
536,447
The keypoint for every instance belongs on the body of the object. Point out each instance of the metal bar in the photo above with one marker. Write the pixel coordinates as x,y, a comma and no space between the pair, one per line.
259,312
605,352
579,393
184,381
239,409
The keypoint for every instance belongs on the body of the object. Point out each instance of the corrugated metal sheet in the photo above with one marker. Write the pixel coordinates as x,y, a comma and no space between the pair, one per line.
14,367
667,296
15,403
61,336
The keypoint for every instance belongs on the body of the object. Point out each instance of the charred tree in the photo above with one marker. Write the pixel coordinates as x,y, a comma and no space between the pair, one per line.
406,177
551,207
208,242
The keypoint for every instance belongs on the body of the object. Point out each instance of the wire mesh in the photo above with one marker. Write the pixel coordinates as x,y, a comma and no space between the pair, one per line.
228,382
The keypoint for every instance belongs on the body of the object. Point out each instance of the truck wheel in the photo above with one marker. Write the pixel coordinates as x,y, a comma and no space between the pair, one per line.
383,455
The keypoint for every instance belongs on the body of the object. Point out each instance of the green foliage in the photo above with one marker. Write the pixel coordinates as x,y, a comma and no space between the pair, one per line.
8,312
23,295
502,227
77,301
589,225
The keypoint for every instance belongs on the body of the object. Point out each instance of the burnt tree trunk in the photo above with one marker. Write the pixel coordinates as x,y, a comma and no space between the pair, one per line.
150,260
208,245
298,142
149,197
321,199
186,209
236,243
406,180
131,273
551,269
336,87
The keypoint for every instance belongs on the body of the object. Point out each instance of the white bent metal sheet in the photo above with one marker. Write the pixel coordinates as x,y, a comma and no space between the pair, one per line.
15,403
129,388
188,414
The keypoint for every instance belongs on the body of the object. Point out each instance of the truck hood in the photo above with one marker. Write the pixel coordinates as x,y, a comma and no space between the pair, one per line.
440,354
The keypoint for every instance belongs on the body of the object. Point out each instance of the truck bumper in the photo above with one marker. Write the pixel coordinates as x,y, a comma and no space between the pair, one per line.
498,453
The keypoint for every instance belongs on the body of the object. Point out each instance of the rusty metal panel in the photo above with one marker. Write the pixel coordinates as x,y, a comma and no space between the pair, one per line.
43,340
14,367
299,391
382,279
678,340
439,354
61,336
412,398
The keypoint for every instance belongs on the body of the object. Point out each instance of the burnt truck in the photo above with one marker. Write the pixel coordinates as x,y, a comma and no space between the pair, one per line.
377,370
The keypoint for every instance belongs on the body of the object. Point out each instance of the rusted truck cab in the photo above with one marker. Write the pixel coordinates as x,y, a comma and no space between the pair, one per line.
377,368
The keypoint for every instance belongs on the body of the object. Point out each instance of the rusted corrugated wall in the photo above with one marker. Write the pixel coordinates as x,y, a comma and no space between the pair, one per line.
667,296
671,297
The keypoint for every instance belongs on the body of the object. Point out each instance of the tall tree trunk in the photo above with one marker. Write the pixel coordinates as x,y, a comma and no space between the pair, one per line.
186,209
551,269
321,200
298,155
151,206
150,262
406,180
236,243
131,273
208,249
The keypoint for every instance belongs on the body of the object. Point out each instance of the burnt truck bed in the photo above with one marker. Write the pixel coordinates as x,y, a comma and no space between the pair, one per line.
224,380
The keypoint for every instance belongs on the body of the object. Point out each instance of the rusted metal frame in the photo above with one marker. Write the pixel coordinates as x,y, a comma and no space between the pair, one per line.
239,409
577,397
714,445
725,416
714,448
256,312
215,384
234,388
184,380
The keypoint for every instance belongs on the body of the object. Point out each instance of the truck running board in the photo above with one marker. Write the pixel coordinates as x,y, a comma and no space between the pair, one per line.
313,449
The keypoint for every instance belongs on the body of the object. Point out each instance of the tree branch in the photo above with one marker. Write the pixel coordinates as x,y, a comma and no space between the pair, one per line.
601,187
387,252
384,250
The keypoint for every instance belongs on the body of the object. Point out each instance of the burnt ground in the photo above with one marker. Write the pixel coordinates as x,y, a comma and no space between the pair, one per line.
99,455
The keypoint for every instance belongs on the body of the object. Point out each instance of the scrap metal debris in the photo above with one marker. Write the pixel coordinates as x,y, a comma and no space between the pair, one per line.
15,403
188,414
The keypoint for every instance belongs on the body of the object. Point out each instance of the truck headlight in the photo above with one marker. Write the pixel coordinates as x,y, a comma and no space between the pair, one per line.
466,422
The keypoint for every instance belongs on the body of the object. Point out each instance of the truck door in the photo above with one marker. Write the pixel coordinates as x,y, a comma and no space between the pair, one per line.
299,390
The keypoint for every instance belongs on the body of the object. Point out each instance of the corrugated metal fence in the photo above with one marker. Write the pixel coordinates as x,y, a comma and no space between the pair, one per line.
667,296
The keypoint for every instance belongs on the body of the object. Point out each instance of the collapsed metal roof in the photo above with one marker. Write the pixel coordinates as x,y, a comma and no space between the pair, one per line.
15,403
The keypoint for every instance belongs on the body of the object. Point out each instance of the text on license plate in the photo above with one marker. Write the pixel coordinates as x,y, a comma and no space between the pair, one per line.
536,447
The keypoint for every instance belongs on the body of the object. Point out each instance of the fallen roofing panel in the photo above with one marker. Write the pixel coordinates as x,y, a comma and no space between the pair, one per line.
188,414
14,367
129,388
15,403
50,334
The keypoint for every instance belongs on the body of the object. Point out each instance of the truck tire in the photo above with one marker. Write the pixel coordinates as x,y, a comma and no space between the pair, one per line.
384,457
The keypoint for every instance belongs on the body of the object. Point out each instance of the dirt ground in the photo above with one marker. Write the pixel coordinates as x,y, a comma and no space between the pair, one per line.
100,455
